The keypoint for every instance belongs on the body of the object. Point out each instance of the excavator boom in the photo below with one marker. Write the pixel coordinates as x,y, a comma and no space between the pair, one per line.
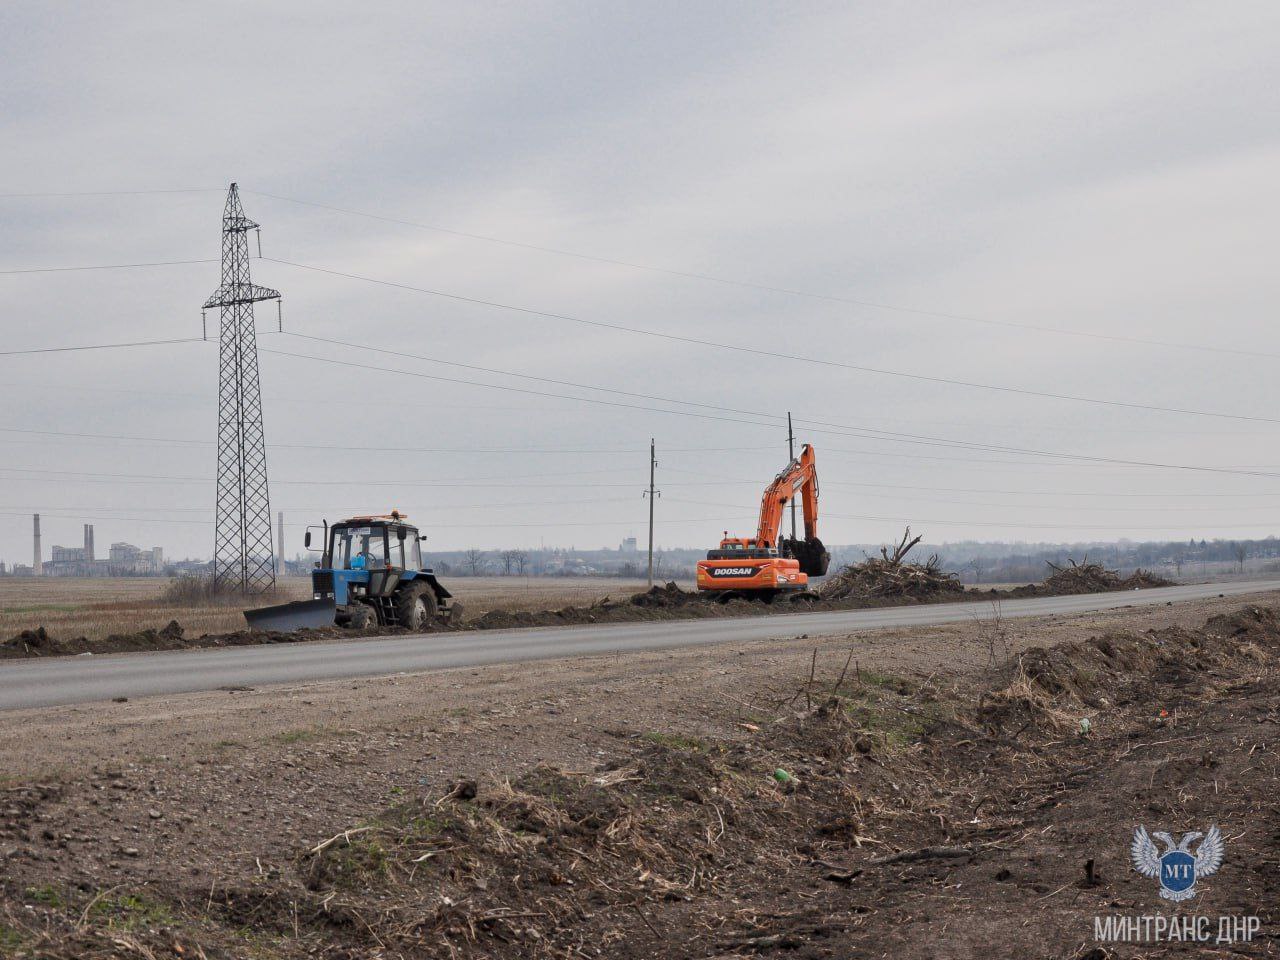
801,476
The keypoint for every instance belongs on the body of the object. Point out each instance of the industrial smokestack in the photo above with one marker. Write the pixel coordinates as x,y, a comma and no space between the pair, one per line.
36,567
88,542
280,538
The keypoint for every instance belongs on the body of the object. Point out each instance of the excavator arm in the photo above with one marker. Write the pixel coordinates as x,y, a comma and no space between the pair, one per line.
800,477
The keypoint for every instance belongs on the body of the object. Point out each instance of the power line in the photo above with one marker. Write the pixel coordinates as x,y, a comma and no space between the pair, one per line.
314,482
64,388
392,449
1033,506
434,526
776,355
510,389
104,266
527,376
788,291
104,193
866,433
100,346
58,437
740,518
1011,524
1042,526
714,481
843,429
296,508
628,393
990,490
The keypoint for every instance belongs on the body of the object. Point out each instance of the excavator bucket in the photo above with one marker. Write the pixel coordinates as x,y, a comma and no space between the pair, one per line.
812,555
285,617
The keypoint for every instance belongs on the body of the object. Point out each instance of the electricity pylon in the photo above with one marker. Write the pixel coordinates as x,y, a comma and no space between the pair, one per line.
242,555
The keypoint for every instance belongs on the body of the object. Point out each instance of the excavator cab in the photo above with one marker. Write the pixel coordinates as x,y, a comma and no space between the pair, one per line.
765,565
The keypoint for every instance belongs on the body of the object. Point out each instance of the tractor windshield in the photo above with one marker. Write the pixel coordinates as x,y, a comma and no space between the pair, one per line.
356,548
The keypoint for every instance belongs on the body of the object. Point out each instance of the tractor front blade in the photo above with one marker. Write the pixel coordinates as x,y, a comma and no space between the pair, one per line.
292,616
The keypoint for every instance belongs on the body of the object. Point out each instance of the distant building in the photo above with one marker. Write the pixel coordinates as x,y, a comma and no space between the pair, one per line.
126,560
628,545
123,560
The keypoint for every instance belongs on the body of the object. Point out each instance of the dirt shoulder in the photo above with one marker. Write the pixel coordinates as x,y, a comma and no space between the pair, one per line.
188,820
657,604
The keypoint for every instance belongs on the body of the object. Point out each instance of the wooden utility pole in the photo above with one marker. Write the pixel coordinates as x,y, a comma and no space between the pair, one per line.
791,453
652,494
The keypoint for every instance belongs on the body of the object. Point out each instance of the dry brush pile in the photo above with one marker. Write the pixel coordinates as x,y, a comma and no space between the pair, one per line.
891,576
1088,577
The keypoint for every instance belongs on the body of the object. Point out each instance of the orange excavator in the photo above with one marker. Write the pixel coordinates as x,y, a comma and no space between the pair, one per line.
766,564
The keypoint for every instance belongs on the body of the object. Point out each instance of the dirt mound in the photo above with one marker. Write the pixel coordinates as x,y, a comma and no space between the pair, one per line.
668,602
1258,625
39,643
1162,667
668,597
36,643
891,577
549,860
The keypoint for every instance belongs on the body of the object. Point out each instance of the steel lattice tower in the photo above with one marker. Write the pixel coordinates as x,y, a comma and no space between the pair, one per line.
242,555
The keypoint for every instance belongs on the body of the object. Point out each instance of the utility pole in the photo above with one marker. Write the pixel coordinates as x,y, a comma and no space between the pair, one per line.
652,494
791,456
243,559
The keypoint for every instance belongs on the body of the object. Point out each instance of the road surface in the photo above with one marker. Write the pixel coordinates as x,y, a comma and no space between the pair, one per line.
64,680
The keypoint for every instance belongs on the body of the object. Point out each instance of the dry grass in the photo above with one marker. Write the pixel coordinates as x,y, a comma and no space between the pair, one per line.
96,608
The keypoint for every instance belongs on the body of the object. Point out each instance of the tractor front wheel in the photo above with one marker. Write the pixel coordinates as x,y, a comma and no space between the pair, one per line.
415,606
357,618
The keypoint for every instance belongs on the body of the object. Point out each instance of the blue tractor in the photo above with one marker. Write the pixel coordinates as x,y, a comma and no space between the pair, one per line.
370,571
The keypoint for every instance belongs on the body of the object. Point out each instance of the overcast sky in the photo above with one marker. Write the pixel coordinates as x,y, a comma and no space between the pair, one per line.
1098,168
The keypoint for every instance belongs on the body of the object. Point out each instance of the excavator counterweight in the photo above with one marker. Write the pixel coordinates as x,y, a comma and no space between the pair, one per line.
764,565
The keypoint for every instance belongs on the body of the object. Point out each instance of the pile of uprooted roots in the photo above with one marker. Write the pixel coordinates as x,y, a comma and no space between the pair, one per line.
891,576
1088,577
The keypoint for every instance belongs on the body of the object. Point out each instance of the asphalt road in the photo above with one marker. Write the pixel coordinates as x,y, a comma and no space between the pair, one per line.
64,680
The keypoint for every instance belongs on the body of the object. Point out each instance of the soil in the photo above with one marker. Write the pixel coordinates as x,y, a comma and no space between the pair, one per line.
669,602
905,793
40,643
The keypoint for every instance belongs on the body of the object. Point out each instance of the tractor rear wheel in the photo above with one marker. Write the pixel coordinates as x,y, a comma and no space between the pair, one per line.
415,606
